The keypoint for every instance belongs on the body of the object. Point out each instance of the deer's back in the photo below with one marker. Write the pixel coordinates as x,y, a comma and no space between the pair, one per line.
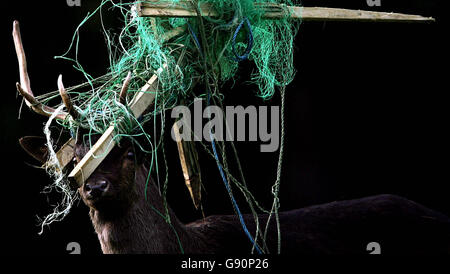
399,225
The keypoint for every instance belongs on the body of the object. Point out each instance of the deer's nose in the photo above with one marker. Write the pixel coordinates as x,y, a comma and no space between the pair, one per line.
96,188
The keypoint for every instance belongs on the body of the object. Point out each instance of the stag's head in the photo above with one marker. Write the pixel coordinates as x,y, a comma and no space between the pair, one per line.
112,185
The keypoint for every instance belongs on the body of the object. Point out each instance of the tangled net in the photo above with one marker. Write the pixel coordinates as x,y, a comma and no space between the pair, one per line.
199,51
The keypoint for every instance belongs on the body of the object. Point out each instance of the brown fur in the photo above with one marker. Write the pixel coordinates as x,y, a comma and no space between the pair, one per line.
126,222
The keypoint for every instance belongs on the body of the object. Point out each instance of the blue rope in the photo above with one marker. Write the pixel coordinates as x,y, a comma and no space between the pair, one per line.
227,186
194,36
222,174
246,54
250,40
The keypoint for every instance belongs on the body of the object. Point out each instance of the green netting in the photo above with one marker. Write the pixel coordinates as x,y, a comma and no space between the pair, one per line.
142,48
205,53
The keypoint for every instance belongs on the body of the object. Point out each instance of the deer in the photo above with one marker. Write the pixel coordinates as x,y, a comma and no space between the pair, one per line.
124,212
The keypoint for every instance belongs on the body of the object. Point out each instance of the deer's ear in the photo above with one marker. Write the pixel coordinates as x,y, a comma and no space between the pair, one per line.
36,147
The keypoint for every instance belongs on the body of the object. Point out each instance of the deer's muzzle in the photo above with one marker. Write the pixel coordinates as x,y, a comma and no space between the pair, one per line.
95,189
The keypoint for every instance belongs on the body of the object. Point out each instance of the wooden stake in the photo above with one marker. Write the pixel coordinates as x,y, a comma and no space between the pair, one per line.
190,166
93,158
105,144
65,153
277,11
331,14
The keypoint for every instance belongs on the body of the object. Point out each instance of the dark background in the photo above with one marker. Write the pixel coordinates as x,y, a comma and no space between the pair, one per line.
365,115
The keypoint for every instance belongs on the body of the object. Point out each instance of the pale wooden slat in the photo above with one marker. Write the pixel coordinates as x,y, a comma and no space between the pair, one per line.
169,9
190,165
275,11
93,158
332,14
105,144
65,153
146,96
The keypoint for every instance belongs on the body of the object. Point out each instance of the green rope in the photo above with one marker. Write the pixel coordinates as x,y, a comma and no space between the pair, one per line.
276,186
140,48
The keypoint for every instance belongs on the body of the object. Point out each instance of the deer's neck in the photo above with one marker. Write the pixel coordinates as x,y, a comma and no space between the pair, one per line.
141,228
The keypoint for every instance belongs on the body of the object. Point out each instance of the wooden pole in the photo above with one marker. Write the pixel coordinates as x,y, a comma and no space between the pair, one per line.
105,144
65,153
276,11
190,165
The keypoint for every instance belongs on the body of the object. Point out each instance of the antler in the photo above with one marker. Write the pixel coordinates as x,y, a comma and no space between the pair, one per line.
24,88
123,92
66,99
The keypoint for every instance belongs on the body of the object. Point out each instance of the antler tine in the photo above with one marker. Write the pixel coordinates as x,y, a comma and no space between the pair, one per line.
24,79
125,86
66,99
37,106
24,88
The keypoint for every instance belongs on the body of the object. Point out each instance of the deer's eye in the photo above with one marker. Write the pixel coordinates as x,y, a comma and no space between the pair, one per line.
130,155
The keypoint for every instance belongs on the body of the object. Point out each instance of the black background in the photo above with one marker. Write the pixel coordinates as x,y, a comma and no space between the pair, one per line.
366,115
